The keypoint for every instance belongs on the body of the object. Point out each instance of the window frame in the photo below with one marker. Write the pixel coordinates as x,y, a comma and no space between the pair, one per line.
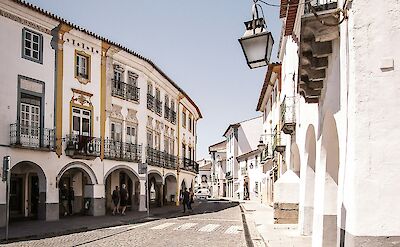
40,44
80,78
184,119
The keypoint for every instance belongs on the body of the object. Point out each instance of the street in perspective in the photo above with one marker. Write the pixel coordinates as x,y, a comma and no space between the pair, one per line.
205,123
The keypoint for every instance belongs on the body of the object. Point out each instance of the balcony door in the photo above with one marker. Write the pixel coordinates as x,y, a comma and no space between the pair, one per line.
30,121
81,124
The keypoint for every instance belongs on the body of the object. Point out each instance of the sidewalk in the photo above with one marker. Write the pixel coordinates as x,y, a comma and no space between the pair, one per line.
35,229
260,217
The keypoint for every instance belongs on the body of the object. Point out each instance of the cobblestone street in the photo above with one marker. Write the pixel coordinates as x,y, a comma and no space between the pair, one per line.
211,224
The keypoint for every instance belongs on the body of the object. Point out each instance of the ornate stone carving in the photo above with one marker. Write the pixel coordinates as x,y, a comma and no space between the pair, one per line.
81,98
116,112
149,122
131,117
25,22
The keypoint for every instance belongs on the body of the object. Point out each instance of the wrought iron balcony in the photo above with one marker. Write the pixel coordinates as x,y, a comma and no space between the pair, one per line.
158,107
173,117
150,102
190,165
125,91
316,46
154,157
278,144
167,112
82,147
288,114
170,161
30,137
320,5
117,150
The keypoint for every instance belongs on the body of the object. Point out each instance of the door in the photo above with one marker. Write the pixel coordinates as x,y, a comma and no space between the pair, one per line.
16,196
30,124
125,179
81,122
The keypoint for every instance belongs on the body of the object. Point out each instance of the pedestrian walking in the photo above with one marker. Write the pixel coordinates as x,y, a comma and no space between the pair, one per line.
191,200
115,198
185,198
64,199
71,198
123,199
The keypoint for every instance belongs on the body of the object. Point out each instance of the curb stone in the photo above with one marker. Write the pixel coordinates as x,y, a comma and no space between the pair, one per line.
253,237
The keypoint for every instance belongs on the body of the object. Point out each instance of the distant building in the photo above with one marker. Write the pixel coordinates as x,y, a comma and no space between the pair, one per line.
203,177
218,169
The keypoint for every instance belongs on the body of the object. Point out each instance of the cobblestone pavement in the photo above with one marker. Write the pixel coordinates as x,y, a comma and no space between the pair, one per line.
211,224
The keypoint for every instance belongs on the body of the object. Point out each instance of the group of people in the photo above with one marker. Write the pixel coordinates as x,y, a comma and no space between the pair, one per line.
120,199
187,198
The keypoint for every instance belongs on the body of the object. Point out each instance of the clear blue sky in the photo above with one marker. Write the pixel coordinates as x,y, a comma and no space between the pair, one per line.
193,42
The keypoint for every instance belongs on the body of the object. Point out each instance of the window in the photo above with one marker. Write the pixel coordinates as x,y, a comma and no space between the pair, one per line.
166,144
190,124
190,153
172,146
166,100
82,63
81,121
118,75
132,78
256,161
149,88
116,131
172,105
158,95
183,150
30,119
157,139
149,138
184,119
32,43
131,134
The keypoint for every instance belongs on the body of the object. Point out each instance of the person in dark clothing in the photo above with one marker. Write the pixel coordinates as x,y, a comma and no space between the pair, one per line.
123,199
191,195
185,199
71,198
115,198
64,199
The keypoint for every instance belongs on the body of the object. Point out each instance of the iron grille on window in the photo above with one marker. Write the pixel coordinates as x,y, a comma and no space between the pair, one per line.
33,137
150,102
158,107
124,90
173,117
167,112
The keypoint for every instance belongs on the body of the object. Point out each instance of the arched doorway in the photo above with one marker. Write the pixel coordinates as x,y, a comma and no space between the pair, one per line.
155,189
170,189
118,176
75,182
326,186
27,191
306,210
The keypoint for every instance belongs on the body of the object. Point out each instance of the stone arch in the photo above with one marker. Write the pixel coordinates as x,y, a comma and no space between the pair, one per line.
308,183
170,188
169,174
159,178
79,165
121,167
326,185
155,188
295,159
30,179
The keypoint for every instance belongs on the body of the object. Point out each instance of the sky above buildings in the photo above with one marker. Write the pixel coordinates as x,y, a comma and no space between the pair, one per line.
193,42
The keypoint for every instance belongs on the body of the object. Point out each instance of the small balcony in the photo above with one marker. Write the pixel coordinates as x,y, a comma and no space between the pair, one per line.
82,147
117,150
316,46
170,161
29,137
278,143
154,157
288,115
228,175
125,91
190,165
158,107
167,112
150,102
173,117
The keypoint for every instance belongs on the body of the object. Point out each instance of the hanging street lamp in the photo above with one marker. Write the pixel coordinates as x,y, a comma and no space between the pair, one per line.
256,42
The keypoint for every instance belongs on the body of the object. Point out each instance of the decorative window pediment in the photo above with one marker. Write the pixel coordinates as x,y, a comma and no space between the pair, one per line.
80,97
116,112
131,117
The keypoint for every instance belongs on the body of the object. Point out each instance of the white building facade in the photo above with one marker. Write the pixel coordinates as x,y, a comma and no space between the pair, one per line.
218,169
81,114
337,157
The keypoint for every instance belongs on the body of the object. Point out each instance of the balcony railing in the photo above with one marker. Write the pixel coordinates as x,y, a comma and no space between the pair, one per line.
320,5
82,147
158,107
173,117
167,112
31,137
288,114
154,157
125,91
190,165
150,102
170,161
117,150
278,143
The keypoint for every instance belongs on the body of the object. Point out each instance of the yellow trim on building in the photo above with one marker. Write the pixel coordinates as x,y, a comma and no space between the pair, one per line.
103,95
62,29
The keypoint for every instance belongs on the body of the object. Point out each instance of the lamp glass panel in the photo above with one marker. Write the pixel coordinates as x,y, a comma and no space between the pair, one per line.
255,47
